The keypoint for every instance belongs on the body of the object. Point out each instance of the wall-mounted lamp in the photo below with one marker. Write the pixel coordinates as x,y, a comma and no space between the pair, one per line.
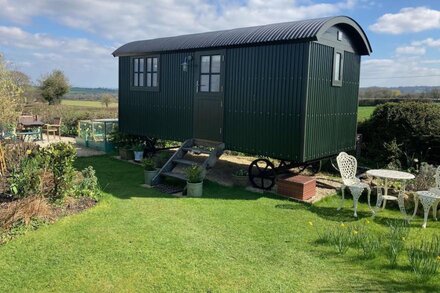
186,63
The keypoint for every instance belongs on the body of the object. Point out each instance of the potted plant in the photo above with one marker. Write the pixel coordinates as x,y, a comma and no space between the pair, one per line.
240,178
138,150
194,183
149,170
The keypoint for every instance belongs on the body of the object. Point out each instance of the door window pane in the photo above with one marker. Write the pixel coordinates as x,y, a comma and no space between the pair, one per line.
141,79
148,79
204,83
215,63
154,83
205,64
141,65
338,66
148,64
215,83
136,64
155,64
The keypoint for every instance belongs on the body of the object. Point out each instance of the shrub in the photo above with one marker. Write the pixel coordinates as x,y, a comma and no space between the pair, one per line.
425,178
194,174
148,164
59,158
15,152
26,179
403,131
87,184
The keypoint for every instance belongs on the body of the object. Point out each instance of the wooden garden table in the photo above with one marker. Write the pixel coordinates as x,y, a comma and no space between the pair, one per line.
396,176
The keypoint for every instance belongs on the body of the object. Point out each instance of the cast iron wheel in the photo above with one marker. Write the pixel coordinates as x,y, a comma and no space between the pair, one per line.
262,174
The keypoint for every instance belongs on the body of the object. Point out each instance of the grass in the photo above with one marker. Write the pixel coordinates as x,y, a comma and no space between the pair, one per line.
230,240
90,104
365,112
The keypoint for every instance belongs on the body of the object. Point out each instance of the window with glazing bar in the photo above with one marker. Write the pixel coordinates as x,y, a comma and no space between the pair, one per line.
138,72
210,73
152,72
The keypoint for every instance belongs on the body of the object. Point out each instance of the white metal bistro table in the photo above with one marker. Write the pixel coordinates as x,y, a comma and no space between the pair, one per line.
391,175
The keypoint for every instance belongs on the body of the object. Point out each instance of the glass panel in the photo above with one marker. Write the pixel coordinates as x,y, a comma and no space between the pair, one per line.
135,66
141,65
215,63
148,64
154,79
204,83
338,66
215,83
135,78
141,79
148,79
155,64
205,64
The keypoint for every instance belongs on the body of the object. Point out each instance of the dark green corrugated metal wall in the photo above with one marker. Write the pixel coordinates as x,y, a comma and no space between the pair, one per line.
264,87
331,118
167,113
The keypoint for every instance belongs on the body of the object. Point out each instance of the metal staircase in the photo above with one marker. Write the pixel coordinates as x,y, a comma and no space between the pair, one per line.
193,146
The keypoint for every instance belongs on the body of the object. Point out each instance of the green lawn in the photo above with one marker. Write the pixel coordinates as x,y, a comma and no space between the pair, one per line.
81,103
230,240
364,112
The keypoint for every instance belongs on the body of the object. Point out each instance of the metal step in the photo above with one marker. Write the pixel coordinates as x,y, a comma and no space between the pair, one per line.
197,151
186,162
174,175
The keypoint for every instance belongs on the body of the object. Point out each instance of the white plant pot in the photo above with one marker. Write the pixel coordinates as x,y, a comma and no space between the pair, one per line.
138,155
149,175
194,189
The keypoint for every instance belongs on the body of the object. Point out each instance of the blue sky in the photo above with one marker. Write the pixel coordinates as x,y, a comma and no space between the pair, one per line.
79,36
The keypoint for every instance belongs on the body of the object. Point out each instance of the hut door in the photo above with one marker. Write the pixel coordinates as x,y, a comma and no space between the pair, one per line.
208,97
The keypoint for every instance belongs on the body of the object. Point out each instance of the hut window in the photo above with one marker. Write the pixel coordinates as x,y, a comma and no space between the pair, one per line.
210,73
138,72
152,72
339,36
338,65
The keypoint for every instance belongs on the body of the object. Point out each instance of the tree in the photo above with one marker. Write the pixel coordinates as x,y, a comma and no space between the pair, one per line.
11,98
54,86
107,99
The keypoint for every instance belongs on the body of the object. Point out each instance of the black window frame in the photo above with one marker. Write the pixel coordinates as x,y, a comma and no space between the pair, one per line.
137,72
145,73
210,73
335,81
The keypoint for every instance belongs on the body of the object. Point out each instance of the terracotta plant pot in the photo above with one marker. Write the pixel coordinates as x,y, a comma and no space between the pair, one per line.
126,154
138,155
240,181
149,175
194,189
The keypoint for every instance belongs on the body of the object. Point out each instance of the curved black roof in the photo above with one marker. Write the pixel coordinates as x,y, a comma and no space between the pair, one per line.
310,29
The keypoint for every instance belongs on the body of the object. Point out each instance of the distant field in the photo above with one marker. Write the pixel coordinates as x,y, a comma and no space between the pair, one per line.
365,112
96,104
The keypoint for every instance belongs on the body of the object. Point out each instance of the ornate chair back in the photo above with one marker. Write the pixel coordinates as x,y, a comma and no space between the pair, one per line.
347,167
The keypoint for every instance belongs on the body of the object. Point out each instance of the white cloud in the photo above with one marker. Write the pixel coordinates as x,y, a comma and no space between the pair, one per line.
139,19
411,19
401,70
430,42
410,50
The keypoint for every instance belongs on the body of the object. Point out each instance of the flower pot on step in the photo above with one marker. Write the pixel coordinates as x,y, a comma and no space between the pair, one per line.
194,189
138,155
240,181
126,154
149,175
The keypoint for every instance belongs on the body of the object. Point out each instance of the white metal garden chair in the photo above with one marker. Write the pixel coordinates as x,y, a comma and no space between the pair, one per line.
347,167
436,191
